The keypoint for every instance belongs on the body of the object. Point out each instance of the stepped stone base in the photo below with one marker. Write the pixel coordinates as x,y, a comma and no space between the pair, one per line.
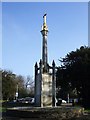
45,113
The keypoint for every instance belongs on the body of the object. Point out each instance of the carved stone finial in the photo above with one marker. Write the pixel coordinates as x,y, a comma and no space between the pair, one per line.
40,62
36,65
53,63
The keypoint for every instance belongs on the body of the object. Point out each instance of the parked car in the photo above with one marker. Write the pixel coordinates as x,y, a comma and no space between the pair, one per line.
64,101
33,100
27,100
20,100
59,101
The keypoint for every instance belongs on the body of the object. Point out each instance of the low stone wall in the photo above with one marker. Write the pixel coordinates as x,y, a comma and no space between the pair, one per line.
46,113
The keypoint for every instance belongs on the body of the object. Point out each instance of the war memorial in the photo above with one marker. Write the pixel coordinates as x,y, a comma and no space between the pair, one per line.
44,77
45,92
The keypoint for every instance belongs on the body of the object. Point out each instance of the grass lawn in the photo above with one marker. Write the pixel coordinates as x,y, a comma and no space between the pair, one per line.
2,109
87,110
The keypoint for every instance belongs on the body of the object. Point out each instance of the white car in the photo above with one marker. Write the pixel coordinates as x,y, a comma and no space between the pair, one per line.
63,101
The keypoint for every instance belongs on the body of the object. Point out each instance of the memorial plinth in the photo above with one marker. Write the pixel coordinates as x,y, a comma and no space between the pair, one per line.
52,113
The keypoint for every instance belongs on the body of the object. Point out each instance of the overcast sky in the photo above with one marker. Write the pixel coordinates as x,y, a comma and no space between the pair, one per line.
22,41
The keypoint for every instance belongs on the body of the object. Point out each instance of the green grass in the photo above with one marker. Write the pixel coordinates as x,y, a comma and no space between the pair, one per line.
2,109
1,101
87,110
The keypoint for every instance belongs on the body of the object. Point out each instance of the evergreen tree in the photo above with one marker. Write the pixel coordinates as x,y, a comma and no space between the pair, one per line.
74,75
